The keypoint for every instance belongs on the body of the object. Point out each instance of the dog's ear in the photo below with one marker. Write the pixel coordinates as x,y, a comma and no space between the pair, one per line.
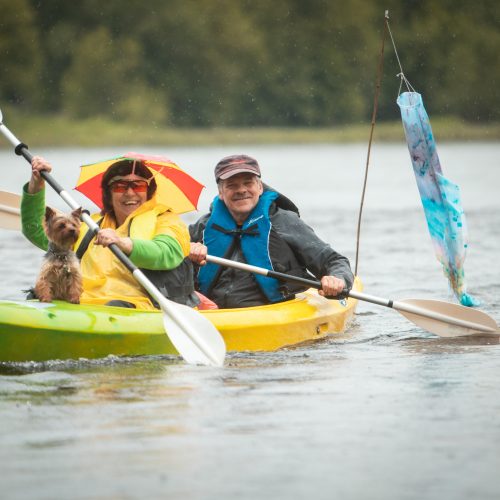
49,213
77,213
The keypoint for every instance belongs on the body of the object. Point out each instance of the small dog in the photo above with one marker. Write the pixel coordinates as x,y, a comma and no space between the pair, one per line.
60,277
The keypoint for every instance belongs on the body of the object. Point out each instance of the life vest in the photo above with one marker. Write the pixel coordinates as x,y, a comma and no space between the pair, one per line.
222,233
175,284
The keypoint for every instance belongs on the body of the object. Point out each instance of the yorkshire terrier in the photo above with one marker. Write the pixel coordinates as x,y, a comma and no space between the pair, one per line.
60,277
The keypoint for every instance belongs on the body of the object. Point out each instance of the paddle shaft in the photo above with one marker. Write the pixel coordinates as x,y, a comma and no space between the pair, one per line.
399,306
9,210
21,149
402,307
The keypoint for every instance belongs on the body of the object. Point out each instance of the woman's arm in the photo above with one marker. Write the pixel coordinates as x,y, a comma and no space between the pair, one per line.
163,252
32,214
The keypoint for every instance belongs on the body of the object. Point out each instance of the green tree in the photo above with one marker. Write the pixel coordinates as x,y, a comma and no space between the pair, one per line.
248,62
205,55
320,60
450,53
105,78
20,58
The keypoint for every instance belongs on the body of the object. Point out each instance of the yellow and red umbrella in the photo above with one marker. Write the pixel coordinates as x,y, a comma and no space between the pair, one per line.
175,188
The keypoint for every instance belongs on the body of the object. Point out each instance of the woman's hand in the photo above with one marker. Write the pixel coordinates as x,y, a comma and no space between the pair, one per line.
198,253
38,165
106,237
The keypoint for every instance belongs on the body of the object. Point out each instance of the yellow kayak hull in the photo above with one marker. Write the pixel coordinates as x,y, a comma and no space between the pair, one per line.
33,331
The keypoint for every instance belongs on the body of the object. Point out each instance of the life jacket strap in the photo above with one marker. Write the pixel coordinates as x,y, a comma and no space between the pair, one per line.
239,232
84,244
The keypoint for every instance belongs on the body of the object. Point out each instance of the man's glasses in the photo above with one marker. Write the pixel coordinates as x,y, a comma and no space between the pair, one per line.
124,186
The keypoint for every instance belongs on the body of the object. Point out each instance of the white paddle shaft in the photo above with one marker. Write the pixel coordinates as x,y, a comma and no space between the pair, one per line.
402,306
9,210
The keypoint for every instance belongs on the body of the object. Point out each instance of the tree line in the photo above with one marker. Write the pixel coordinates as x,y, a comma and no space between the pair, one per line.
208,63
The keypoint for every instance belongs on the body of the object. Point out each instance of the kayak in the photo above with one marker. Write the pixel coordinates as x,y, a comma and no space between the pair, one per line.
37,331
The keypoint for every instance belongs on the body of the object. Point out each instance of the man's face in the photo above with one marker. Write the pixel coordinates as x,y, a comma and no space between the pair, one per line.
240,193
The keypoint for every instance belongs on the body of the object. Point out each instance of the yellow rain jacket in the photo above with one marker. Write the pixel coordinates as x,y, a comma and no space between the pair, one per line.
161,241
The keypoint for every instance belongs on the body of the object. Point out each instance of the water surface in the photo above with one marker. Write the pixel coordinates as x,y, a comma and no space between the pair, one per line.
387,411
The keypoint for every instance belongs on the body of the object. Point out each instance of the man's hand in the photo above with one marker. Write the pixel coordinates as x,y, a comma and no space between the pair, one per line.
331,286
198,253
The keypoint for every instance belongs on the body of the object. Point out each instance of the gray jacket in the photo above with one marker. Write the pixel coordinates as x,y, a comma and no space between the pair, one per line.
234,288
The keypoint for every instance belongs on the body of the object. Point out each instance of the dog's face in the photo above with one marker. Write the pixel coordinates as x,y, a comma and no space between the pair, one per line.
63,229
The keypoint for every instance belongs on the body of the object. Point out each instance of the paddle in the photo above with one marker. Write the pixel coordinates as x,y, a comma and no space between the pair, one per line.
441,318
9,211
195,338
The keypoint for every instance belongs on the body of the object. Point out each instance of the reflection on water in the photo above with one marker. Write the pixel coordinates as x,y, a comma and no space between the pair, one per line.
447,345
385,411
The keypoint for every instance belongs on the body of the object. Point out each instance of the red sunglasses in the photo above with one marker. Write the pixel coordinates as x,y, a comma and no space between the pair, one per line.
123,186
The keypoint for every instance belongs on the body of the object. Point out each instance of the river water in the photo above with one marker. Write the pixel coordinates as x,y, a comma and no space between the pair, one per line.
388,411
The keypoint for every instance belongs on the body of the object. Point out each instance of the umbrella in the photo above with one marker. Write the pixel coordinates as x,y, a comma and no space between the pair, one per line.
175,188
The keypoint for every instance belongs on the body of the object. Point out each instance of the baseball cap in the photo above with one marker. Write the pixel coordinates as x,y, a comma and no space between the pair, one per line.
236,164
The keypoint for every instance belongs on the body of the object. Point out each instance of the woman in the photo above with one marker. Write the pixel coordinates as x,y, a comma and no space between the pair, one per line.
155,239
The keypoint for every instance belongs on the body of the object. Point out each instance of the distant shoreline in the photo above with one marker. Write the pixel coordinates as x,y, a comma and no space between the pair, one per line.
60,131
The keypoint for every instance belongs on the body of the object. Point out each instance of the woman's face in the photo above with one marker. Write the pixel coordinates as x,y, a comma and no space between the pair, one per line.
128,193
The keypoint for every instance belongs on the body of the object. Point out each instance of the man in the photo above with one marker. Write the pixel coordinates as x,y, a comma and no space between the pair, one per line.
252,223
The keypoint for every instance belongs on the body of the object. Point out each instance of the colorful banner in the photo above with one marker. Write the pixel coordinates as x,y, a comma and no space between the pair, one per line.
440,197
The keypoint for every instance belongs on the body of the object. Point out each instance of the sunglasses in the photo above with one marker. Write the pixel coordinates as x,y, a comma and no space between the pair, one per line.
124,186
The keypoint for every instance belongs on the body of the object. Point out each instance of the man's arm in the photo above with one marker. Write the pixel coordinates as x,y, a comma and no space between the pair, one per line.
318,257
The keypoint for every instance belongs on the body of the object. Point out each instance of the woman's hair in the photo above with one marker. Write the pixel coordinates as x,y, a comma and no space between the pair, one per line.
124,167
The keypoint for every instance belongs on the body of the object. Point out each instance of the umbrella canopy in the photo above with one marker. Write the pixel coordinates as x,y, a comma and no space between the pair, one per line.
175,188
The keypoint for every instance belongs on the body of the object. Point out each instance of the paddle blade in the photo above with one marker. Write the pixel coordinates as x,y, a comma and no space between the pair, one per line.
446,319
193,335
10,211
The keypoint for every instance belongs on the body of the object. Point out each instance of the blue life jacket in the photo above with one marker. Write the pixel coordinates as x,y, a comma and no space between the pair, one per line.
222,233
